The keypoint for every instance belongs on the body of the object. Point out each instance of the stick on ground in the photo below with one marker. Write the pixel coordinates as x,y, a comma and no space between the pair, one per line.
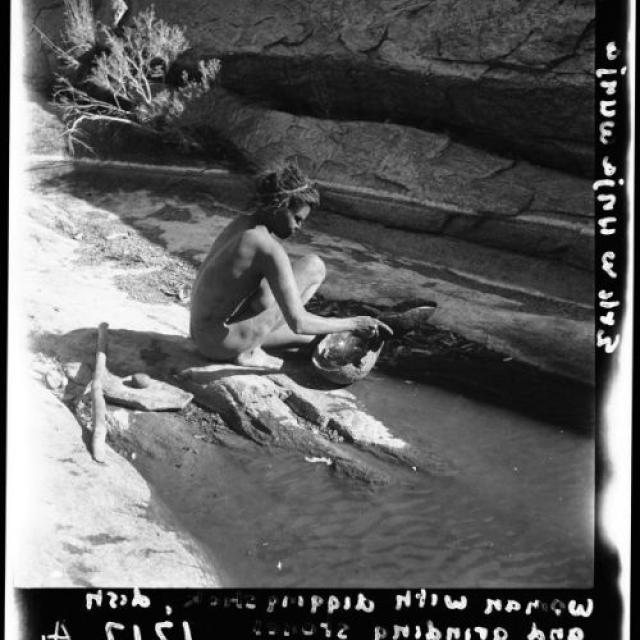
98,407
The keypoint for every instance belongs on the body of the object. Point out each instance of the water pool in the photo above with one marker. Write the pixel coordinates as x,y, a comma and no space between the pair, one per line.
517,511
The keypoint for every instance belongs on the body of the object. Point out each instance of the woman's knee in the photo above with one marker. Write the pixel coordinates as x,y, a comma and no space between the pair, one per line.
313,267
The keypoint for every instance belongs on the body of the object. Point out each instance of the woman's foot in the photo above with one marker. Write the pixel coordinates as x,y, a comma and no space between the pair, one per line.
258,358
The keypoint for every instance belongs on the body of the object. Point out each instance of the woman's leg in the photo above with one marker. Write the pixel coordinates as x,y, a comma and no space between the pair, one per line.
260,322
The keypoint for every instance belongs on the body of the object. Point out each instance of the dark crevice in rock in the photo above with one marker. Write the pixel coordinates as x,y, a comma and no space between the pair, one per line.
527,205
393,184
519,45
498,62
590,27
496,172
414,11
383,38
287,42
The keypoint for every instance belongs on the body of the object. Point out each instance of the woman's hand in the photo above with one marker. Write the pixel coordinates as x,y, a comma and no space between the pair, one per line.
370,327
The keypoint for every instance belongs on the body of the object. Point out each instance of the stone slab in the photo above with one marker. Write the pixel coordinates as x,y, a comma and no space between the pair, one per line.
158,396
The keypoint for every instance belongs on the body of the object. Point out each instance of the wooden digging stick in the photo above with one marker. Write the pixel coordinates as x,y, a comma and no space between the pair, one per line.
98,407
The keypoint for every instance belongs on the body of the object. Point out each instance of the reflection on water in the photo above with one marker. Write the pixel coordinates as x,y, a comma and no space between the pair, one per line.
518,512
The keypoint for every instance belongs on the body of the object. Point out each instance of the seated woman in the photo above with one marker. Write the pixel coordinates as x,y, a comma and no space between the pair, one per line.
248,294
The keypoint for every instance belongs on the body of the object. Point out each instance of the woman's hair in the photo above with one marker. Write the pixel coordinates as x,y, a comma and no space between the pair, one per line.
287,187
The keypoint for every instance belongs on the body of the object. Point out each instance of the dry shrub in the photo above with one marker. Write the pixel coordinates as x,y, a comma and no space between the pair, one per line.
126,75
80,31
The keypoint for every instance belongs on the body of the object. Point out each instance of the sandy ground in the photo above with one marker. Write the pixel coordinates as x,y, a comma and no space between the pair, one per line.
76,522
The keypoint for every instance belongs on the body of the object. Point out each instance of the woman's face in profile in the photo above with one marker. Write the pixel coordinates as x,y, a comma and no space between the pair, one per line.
287,222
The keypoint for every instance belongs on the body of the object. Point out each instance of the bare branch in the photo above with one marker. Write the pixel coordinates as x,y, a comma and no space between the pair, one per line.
122,73
66,58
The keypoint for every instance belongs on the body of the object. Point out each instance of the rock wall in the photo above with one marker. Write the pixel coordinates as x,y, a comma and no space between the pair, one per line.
39,63
502,75
514,76
87,525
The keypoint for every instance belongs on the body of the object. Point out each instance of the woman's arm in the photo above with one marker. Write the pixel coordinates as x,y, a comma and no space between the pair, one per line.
276,266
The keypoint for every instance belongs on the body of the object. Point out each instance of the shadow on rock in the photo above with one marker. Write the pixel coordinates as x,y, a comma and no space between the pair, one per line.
159,355
269,408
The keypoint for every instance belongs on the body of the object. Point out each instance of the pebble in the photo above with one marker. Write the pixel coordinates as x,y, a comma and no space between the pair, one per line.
141,380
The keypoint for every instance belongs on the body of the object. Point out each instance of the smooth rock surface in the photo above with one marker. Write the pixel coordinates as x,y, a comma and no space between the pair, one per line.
512,75
292,410
78,523
81,524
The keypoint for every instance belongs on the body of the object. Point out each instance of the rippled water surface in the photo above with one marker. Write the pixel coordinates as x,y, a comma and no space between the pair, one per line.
516,512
